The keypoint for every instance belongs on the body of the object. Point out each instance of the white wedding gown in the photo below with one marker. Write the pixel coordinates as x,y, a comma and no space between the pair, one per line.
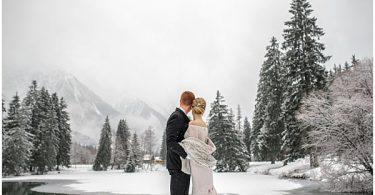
202,178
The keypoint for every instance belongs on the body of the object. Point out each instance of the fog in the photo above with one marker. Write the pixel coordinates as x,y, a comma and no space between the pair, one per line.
157,49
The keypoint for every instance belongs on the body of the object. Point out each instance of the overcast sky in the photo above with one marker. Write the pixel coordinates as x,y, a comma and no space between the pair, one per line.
157,49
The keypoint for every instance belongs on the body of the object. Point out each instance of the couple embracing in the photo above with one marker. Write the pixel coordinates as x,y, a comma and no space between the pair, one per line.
189,149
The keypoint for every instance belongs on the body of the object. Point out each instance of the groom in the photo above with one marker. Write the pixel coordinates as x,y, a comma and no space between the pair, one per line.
176,127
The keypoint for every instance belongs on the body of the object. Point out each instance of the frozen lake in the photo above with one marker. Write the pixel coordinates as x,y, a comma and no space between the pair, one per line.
82,180
22,188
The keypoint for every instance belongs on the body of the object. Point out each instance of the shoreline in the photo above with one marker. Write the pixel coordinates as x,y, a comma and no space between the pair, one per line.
82,180
60,186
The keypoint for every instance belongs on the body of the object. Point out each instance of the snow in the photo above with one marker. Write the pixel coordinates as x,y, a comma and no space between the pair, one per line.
263,167
297,169
157,182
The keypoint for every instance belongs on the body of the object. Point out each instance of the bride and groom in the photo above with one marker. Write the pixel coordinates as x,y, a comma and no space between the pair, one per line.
189,149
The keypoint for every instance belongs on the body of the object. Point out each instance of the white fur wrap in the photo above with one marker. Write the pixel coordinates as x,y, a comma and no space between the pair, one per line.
199,152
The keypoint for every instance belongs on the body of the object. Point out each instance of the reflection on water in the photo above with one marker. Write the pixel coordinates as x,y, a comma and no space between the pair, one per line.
22,188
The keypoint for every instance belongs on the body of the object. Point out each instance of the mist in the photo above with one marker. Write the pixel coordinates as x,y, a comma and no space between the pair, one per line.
156,49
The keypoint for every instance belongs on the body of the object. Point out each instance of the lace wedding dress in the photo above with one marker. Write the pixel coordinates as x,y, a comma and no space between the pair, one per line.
199,148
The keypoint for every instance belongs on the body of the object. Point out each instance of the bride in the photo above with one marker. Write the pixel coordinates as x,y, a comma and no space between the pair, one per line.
199,147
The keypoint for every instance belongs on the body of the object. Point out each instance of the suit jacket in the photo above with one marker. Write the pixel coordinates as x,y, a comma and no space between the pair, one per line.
177,125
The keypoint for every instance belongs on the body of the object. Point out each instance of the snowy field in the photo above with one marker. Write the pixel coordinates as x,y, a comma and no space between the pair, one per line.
157,181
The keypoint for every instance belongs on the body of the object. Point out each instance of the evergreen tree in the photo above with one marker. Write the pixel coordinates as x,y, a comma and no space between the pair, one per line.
136,150
247,135
131,163
3,106
331,76
272,91
257,122
269,96
16,141
122,144
303,61
230,152
64,132
239,119
46,139
163,150
31,103
346,66
354,60
4,111
103,157
335,69
3,123
339,69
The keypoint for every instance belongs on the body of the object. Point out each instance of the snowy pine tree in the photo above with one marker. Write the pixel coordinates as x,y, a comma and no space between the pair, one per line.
45,120
163,148
130,166
265,134
346,66
103,157
16,141
31,100
355,61
4,111
257,122
247,135
122,147
64,132
230,152
303,61
239,119
270,134
136,150
46,139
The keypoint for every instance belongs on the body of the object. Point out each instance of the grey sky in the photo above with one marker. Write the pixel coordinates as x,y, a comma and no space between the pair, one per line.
157,49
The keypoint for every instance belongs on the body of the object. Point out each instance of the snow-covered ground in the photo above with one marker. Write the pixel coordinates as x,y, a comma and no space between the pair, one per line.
157,181
297,169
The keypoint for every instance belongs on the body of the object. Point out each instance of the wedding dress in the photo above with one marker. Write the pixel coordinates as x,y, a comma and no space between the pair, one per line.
199,148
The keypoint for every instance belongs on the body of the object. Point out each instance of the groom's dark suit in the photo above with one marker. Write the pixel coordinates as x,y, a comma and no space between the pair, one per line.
177,125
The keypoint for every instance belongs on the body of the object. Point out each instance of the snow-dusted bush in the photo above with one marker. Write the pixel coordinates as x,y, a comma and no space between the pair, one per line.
130,166
340,120
343,178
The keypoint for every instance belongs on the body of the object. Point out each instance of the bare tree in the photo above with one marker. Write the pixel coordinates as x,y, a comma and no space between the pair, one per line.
341,123
149,144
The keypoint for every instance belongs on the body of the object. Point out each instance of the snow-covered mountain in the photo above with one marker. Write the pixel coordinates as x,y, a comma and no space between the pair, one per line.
87,110
140,115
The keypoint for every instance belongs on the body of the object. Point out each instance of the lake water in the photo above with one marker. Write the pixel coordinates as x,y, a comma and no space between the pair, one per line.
23,188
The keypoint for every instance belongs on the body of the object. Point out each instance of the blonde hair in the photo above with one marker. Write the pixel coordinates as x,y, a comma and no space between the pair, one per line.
198,106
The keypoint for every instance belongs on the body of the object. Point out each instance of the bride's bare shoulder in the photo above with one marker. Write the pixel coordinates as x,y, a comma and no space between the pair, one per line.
198,123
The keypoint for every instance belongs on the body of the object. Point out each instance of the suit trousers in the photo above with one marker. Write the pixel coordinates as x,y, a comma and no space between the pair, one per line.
180,182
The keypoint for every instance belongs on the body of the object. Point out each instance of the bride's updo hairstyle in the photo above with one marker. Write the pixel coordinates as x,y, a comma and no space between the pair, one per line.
199,105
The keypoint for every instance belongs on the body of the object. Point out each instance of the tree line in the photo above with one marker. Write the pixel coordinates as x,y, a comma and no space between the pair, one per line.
128,150
36,134
303,109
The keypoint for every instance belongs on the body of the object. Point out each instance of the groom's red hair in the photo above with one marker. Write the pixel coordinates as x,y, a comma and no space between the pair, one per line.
187,98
